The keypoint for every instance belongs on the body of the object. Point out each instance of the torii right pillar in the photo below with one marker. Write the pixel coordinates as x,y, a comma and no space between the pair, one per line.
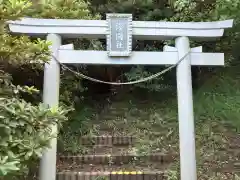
185,106
185,112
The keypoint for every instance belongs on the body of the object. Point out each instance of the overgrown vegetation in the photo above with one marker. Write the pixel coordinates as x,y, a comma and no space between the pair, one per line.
26,128
153,120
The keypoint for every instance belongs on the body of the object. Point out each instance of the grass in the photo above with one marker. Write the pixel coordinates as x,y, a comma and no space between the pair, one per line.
153,120
79,125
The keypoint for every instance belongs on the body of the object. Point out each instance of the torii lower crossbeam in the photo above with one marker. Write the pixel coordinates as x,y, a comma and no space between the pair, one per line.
140,58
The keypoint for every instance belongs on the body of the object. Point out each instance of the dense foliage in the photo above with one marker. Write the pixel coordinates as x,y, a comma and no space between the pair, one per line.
25,129
177,10
25,133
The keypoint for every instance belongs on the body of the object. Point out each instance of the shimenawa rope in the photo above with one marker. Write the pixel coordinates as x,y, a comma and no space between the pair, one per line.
121,83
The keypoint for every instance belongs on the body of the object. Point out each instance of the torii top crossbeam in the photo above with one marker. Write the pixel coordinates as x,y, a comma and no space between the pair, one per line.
145,30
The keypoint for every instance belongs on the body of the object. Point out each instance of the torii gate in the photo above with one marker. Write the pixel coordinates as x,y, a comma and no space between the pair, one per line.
119,29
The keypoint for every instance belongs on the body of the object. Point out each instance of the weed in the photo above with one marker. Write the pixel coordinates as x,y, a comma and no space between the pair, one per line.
79,125
101,178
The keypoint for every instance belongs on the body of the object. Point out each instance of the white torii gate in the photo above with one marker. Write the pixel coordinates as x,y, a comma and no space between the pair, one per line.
182,31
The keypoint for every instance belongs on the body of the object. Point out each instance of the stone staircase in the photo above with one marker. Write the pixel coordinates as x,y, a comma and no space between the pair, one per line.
113,158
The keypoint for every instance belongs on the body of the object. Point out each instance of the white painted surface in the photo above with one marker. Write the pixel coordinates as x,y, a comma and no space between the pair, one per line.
144,24
141,58
67,46
98,28
51,98
197,49
173,49
185,112
100,32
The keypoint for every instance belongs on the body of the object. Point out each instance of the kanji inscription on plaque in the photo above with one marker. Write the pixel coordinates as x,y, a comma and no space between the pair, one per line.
119,37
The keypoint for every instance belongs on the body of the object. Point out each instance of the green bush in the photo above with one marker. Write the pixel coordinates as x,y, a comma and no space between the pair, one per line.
25,132
25,129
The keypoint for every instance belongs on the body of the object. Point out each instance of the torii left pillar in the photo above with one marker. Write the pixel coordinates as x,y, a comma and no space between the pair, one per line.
51,98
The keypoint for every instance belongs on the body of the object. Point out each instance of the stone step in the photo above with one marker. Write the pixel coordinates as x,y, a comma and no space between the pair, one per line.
113,175
63,166
118,159
102,149
107,140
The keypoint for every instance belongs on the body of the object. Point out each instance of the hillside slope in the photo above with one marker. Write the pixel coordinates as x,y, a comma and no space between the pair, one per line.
152,119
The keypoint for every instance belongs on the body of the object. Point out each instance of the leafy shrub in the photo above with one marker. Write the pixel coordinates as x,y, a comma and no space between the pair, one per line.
25,132
25,129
